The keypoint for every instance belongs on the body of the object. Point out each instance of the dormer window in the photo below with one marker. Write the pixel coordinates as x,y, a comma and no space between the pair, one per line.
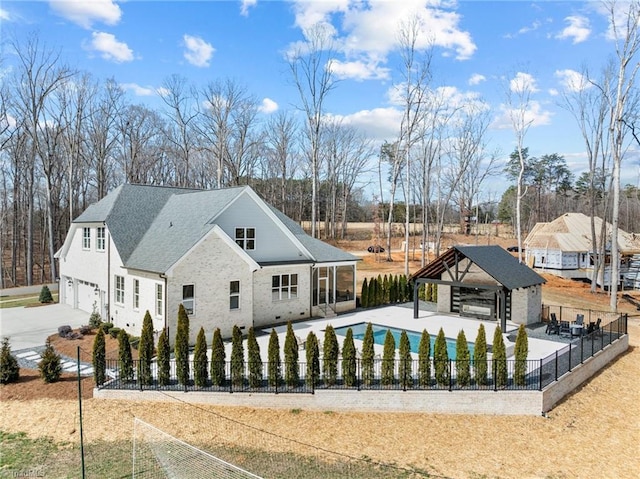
246,238
86,238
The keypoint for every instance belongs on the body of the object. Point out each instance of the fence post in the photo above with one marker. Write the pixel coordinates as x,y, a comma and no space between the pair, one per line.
556,366
358,372
581,349
493,367
450,375
540,376
569,357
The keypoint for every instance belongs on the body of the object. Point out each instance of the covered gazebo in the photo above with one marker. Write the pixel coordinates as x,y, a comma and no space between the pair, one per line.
484,282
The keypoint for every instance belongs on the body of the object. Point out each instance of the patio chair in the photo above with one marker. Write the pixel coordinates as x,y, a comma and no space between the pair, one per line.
553,327
580,319
594,329
565,328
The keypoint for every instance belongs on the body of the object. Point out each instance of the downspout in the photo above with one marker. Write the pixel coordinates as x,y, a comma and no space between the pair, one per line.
108,275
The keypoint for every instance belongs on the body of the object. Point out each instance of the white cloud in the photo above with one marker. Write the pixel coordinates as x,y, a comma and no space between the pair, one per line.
523,82
4,15
139,90
378,124
85,13
359,70
268,106
535,115
198,52
476,79
246,5
578,29
110,48
534,26
572,80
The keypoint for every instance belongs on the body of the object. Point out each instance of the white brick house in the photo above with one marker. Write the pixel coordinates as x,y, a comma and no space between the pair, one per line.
228,256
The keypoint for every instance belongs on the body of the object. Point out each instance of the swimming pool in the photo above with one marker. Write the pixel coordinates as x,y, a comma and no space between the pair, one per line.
379,333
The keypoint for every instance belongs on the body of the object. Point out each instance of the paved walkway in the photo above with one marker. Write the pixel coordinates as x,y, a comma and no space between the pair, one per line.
30,358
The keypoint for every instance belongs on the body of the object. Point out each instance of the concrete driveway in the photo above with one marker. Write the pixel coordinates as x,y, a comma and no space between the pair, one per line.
30,327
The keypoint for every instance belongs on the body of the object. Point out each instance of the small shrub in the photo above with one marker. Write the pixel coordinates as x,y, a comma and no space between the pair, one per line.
313,360
106,327
99,359
480,357
364,295
406,379
424,359
291,372
368,355
200,369
114,332
217,359
237,357
50,366
388,359
9,369
64,331
164,358
349,360
85,329
95,320
441,359
463,368
181,347
125,359
145,350
521,353
275,369
499,359
331,351
45,295
255,361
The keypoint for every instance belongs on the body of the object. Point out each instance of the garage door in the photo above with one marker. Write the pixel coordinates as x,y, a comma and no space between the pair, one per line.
86,296
68,293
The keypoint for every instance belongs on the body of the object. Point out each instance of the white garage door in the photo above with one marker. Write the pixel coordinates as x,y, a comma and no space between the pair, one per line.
86,296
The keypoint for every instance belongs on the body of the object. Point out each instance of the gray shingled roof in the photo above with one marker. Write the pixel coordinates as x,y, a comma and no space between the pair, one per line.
494,260
181,223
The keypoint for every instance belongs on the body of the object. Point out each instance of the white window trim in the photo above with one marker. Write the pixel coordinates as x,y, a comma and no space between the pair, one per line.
193,299
244,237
118,291
159,301
234,295
86,238
287,289
101,241
136,294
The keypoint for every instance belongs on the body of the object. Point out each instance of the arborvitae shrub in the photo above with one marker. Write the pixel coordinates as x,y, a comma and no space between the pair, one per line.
441,359
349,360
379,291
424,360
114,332
331,352
274,366
200,363
364,295
164,358
368,355
402,286
521,353
463,366
388,359
291,372
9,369
218,374
181,347
50,366
237,357
393,289
371,296
255,361
125,359
45,295
410,285
406,379
499,359
99,358
480,357
145,350
313,360
385,289
434,293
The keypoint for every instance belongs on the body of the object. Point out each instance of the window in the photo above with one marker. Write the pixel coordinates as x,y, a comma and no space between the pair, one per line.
86,238
284,286
159,302
100,238
136,293
234,295
246,238
187,298
119,291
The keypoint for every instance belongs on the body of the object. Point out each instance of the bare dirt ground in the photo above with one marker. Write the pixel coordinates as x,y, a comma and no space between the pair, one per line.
595,432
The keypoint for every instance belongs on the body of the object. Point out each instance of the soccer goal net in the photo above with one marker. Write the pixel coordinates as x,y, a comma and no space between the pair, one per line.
156,454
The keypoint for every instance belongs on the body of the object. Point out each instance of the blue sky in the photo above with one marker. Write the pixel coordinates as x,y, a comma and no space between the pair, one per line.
480,47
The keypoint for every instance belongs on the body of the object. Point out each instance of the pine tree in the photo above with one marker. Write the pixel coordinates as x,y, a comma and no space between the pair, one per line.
9,368
45,295
125,359
313,360
441,359
349,360
364,295
255,361
145,350
371,296
424,360
480,357
275,368
463,374
291,372
218,375
181,348
164,359
331,352
521,353
200,363
50,365
368,355
237,358
499,359
406,378
99,358
388,359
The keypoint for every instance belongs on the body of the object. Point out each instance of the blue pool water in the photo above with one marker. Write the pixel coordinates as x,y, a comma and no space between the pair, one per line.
379,333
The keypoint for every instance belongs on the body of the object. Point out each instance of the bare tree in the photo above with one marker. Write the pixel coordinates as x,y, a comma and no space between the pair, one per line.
311,70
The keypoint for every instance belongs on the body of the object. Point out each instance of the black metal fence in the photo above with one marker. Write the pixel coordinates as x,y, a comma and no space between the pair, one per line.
386,374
